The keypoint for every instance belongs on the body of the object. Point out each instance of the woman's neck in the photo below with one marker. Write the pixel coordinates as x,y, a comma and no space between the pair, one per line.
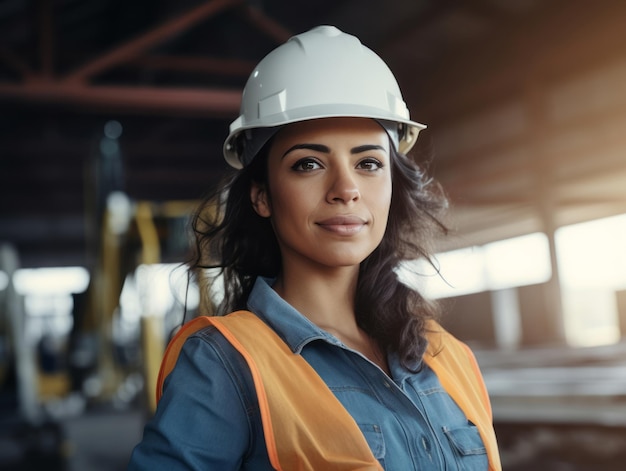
327,299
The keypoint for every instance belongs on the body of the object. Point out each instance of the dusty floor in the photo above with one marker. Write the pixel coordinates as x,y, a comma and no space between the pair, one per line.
101,439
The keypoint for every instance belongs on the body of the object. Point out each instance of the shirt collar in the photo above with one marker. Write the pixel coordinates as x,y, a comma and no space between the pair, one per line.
294,328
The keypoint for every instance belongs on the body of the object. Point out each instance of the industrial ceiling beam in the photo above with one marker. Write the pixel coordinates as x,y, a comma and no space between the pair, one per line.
158,35
266,24
46,37
204,65
196,102
15,63
73,88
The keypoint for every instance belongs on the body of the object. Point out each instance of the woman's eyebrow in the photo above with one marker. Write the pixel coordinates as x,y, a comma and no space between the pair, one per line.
326,149
315,147
366,148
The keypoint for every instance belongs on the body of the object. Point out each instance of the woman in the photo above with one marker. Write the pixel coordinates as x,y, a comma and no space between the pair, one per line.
330,362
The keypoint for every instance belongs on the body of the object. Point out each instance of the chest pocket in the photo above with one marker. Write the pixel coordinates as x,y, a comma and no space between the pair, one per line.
374,437
468,447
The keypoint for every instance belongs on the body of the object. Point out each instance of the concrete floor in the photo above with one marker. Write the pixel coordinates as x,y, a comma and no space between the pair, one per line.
102,439
94,440
561,447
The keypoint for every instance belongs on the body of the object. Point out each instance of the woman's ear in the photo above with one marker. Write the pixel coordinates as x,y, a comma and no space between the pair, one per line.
260,200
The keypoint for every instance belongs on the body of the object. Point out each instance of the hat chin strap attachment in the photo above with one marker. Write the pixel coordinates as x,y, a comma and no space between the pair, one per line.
408,137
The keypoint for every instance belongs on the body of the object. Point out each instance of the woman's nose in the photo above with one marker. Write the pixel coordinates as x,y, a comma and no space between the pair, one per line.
343,187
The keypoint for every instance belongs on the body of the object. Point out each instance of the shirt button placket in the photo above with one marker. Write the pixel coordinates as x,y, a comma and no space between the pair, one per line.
426,444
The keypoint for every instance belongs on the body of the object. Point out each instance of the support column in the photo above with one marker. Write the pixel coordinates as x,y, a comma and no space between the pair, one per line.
546,204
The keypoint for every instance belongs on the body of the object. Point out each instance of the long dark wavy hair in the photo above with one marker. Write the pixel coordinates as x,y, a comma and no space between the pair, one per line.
231,237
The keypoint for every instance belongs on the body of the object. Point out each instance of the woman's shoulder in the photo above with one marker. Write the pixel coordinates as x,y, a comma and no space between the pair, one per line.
207,411
201,348
204,340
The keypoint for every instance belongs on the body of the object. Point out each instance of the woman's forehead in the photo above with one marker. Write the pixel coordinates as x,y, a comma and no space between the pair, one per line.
359,128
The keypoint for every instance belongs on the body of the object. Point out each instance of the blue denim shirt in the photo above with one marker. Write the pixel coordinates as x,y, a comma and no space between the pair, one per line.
208,416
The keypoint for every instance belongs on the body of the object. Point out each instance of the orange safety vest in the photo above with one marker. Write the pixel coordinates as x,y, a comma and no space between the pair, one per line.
297,436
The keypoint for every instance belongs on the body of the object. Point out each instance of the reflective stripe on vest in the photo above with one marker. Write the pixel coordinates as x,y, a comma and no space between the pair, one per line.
295,437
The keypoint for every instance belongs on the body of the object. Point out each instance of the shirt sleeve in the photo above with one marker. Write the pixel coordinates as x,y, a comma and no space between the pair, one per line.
202,421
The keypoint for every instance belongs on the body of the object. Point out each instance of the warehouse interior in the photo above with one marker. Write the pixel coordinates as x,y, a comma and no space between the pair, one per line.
112,120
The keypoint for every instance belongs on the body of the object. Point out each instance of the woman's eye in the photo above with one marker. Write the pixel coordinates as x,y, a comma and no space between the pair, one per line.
370,164
306,165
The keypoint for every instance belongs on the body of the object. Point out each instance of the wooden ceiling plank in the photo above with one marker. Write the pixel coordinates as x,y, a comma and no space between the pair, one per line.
533,48
472,164
492,11
405,33
473,201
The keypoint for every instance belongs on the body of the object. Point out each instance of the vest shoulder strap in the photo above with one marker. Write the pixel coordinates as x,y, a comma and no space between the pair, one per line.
286,386
455,365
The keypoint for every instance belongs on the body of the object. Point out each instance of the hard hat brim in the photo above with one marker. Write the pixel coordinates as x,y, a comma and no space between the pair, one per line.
278,120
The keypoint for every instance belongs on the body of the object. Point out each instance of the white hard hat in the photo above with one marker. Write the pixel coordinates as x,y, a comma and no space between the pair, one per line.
321,73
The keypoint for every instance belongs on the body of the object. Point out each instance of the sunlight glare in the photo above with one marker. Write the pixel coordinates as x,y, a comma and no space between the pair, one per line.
51,281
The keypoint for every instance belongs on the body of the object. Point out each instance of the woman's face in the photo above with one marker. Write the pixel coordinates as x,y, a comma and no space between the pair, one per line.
329,190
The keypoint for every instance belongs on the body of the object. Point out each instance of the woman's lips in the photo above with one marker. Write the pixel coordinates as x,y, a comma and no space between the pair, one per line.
343,225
